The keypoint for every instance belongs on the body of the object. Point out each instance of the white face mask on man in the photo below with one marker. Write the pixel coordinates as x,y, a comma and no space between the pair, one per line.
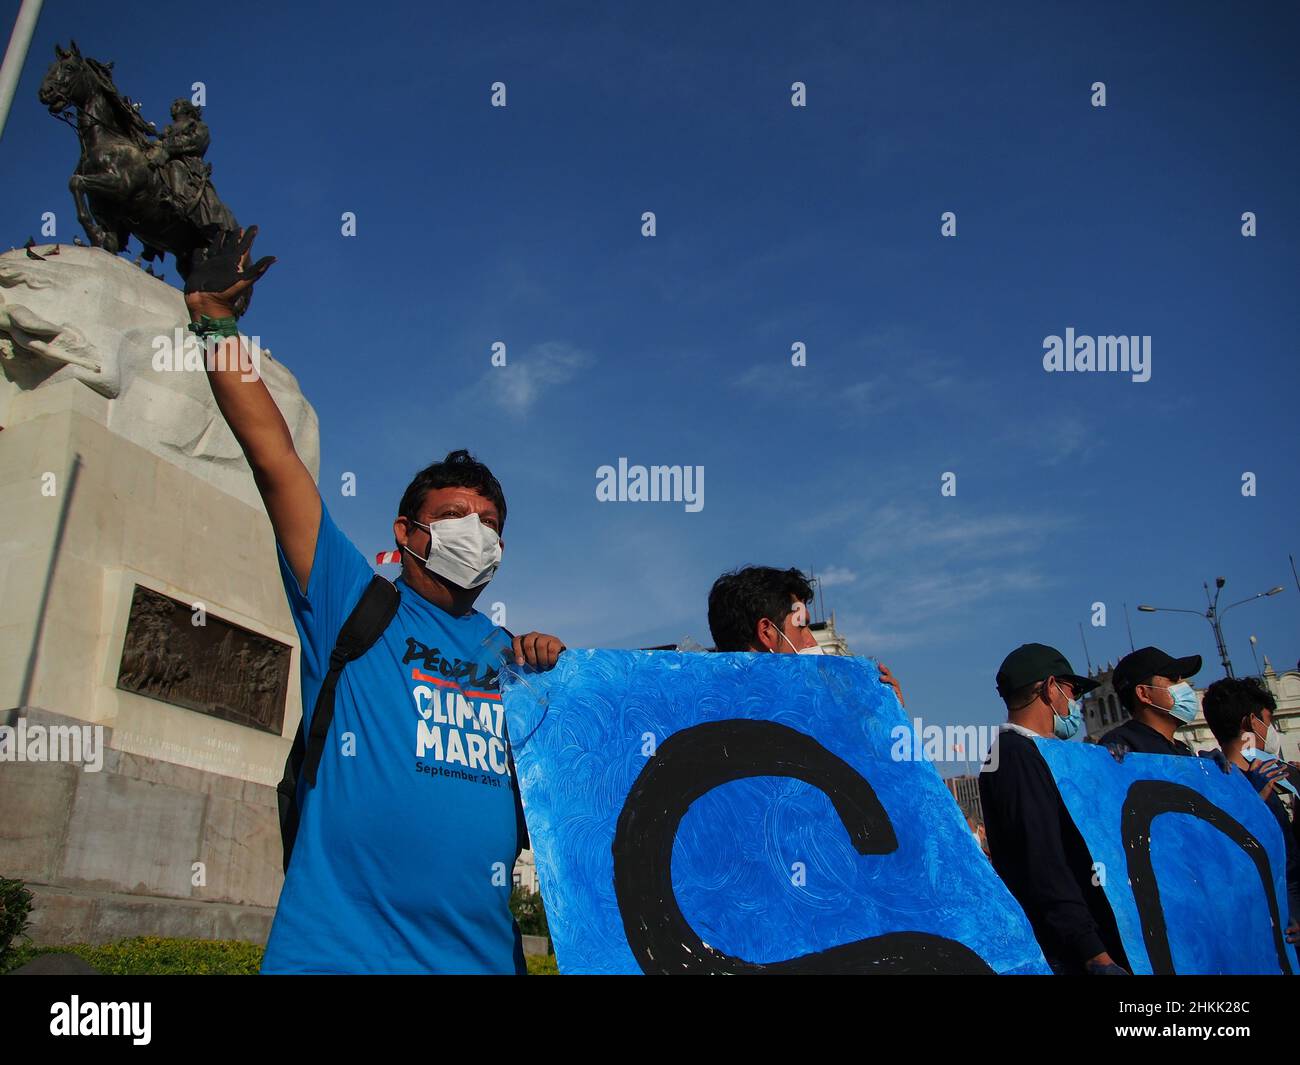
463,551
815,649
1270,741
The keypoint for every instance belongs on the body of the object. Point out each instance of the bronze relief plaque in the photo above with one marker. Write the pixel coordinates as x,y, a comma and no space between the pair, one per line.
216,668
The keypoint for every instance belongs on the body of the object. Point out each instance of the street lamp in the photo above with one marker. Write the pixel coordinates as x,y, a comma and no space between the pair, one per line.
1213,615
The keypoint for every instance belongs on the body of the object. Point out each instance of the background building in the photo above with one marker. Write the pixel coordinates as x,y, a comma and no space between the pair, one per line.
1101,707
828,639
966,790
525,874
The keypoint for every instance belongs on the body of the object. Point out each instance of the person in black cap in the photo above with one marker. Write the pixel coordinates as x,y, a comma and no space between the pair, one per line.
1151,688
1035,847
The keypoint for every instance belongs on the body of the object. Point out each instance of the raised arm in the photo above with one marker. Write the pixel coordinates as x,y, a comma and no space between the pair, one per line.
215,289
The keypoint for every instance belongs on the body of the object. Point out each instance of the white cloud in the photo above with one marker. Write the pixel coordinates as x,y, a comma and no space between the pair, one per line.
891,531
921,574
835,575
517,386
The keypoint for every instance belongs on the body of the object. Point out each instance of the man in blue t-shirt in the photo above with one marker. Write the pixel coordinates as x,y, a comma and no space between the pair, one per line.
406,843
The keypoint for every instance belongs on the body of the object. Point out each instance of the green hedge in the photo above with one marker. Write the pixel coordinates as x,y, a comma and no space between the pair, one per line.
529,912
542,965
152,956
15,907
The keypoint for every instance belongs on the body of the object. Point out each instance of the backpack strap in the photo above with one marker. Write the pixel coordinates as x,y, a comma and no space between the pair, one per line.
363,627
367,622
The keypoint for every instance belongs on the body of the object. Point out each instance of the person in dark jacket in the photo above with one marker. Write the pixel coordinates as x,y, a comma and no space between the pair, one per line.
1151,686
1034,845
1233,710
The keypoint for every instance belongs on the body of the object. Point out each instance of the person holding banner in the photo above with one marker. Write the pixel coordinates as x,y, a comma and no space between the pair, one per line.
763,609
1152,687
1234,711
1034,845
399,853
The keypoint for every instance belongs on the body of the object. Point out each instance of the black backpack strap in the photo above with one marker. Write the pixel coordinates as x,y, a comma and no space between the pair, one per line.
367,622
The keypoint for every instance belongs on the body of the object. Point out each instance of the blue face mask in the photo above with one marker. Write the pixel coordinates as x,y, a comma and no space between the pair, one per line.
1185,707
1066,728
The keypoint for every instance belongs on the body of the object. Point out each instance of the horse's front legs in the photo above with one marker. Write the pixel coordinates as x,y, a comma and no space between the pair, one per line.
84,184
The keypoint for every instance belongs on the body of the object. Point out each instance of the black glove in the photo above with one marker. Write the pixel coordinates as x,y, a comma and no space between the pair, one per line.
219,269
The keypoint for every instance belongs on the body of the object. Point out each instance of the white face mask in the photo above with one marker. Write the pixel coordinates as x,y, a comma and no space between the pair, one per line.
463,551
1272,741
815,649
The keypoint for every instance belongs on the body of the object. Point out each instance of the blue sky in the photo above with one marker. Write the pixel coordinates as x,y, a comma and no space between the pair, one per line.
775,225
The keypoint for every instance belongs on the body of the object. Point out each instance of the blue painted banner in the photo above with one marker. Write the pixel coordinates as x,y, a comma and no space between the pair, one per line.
1191,860
742,813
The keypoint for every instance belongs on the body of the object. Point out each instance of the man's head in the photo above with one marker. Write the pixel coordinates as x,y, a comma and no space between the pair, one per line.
461,491
759,608
1149,684
1039,686
1237,707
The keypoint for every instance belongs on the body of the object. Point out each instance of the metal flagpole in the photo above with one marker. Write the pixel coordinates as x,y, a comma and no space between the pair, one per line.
16,54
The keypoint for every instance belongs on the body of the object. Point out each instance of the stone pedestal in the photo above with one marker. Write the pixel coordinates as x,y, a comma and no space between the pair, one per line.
115,475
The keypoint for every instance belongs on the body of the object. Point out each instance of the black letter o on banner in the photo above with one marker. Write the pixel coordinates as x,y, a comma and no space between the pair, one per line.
693,762
1148,799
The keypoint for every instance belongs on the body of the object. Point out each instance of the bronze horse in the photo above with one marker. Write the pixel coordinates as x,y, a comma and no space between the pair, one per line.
117,192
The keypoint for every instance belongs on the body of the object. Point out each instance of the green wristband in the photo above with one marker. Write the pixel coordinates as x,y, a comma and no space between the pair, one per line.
214,327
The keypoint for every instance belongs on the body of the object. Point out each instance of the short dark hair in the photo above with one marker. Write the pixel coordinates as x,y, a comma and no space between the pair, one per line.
1262,695
1228,702
459,469
1128,698
740,599
1022,696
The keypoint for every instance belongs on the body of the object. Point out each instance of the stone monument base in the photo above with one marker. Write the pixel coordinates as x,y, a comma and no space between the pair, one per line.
159,819
103,852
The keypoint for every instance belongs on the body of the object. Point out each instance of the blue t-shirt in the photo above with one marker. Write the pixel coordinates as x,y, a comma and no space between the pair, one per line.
407,842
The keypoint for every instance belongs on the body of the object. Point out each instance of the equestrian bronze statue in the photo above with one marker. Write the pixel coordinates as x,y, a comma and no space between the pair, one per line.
131,180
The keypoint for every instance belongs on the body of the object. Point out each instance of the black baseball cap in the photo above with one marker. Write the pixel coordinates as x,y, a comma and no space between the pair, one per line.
1032,662
1146,662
